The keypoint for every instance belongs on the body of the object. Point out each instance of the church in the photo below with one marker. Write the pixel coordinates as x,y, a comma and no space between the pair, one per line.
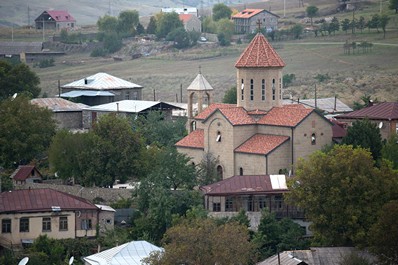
259,135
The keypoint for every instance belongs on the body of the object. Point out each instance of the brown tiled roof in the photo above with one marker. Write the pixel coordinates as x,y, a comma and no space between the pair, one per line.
193,140
261,144
210,109
237,116
287,115
242,185
248,13
380,111
23,172
39,200
185,17
259,53
338,129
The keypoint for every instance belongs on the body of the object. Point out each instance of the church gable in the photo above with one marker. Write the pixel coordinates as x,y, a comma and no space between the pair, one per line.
287,115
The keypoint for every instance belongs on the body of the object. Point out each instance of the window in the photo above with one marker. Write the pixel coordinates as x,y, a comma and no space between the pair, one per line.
135,95
108,221
273,89
242,89
127,95
218,139
229,204
278,202
251,89
313,139
263,89
6,226
262,202
280,88
216,207
46,224
24,225
219,172
86,224
250,204
193,126
63,223
241,171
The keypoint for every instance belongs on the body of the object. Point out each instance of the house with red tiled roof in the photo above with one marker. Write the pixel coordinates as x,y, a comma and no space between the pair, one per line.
26,174
191,22
247,20
384,115
55,20
26,214
259,135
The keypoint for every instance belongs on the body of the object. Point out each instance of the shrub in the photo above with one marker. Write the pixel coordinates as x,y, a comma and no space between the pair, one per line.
98,52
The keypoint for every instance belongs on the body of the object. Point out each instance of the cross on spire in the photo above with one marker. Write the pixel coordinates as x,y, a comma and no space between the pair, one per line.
259,25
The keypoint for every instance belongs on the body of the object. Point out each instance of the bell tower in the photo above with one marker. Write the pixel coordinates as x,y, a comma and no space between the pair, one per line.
259,76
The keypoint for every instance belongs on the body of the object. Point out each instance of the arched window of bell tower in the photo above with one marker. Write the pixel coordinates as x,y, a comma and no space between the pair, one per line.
251,89
273,89
242,89
263,89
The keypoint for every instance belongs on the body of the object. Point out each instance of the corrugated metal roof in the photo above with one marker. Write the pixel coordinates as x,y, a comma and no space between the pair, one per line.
131,106
38,200
61,16
131,253
379,111
12,48
105,208
24,172
58,104
243,185
330,105
101,81
86,93
199,84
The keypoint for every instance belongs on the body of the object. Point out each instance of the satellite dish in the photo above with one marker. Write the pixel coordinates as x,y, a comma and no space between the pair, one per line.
23,261
380,125
14,96
71,260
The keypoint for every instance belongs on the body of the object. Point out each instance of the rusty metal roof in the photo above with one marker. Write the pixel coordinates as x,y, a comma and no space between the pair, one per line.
101,81
58,104
41,200
23,172
244,185
379,111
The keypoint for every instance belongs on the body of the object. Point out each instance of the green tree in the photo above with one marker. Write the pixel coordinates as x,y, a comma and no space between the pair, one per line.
151,28
384,234
19,79
374,23
107,24
112,42
223,39
334,25
207,169
341,192
297,31
383,23
221,11
361,23
365,134
166,23
390,150
140,29
312,12
203,242
25,132
226,27
345,25
230,96
288,79
180,38
209,25
127,21
394,5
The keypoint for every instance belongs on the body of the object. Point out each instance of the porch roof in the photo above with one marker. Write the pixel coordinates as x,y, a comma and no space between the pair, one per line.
247,185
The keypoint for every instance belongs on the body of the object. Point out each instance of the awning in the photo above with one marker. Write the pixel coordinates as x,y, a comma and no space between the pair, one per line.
86,93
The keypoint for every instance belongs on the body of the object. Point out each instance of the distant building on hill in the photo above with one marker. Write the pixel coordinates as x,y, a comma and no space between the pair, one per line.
191,22
181,10
55,20
247,20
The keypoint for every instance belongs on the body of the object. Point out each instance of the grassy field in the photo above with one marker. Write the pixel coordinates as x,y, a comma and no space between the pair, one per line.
351,76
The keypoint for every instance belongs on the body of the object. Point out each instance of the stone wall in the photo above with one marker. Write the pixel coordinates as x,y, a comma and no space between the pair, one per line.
108,195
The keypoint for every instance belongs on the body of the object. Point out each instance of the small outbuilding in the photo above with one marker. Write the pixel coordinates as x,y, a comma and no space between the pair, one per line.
26,174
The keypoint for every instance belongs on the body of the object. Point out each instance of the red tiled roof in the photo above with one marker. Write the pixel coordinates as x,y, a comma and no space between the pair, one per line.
380,111
259,53
23,172
61,16
287,115
210,109
185,17
247,13
194,140
237,116
38,200
261,144
242,185
257,112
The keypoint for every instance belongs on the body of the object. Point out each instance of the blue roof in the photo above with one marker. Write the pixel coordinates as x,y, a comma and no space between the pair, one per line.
86,93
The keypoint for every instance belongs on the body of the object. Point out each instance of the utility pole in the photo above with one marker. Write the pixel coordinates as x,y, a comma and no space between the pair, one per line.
284,8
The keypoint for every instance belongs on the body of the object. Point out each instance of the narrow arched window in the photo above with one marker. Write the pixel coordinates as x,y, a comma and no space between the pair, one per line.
273,89
219,172
218,139
313,139
193,126
241,171
263,89
242,89
251,89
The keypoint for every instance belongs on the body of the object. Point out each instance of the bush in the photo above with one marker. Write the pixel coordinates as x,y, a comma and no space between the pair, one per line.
112,42
288,79
98,52
46,63
222,39
322,77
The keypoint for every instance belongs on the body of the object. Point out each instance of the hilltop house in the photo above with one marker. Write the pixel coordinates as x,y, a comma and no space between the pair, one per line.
259,135
191,22
384,115
101,88
26,174
247,20
55,20
28,213
181,10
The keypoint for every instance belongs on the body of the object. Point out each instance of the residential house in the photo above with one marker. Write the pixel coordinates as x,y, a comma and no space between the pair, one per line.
106,218
55,20
247,21
28,213
67,114
27,52
131,108
253,194
101,88
131,253
384,115
26,174
191,22
181,10
259,135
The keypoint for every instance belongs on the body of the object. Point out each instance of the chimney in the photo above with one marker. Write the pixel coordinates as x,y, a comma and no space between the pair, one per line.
85,81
